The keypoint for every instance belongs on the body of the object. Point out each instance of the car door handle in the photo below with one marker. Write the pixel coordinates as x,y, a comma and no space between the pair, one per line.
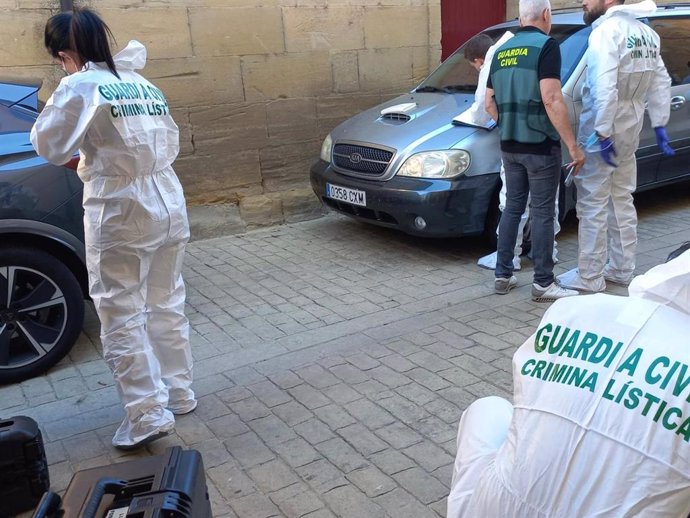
677,102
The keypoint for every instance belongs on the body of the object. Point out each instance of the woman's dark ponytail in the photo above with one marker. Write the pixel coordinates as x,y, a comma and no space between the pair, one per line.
83,32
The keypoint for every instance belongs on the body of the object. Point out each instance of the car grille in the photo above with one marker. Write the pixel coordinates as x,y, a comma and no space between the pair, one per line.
361,159
362,212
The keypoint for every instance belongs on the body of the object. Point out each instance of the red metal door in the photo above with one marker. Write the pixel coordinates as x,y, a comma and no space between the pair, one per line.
462,19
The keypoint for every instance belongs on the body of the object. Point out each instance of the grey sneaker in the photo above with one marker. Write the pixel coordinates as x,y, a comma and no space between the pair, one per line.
503,285
551,292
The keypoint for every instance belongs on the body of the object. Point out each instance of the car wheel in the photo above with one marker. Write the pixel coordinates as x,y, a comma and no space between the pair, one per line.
41,312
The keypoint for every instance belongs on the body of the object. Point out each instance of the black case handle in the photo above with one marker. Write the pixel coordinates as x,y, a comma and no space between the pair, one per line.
49,506
105,486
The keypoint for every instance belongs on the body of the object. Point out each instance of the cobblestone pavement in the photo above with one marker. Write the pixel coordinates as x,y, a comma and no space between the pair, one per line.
333,361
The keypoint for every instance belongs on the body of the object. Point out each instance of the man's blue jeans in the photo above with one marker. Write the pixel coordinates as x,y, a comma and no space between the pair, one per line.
538,175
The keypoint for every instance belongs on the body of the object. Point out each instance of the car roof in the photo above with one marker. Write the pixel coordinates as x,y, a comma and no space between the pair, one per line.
573,15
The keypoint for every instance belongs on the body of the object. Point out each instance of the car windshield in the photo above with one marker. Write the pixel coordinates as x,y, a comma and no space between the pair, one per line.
455,74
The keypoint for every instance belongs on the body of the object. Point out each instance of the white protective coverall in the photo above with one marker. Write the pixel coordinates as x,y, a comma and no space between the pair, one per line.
600,425
477,115
135,226
624,71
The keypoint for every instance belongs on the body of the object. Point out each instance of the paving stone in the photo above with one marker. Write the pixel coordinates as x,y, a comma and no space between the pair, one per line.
322,476
285,379
388,376
369,414
309,396
401,503
348,502
297,452
210,407
349,374
227,426
272,476
230,480
371,481
248,449
391,461
250,408
314,431
269,394
317,376
399,435
427,379
362,439
398,362
272,430
334,416
421,485
255,505
428,455
341,454
363,361
297,500
292,413
341,393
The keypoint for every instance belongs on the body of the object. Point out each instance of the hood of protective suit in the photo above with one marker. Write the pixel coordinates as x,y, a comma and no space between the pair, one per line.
132,57
638,10
667,284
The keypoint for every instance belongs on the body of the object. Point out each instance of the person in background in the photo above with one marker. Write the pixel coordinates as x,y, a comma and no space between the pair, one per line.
478,51
625,72
600,420
135,219
524,96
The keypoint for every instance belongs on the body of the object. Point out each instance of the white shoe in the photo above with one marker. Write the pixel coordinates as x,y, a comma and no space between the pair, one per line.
489,261
571,279
550,293
183,407
617,277
154,424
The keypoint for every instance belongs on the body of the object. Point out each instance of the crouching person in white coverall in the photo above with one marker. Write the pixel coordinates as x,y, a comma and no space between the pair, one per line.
625,71
135,220
600,425
478,51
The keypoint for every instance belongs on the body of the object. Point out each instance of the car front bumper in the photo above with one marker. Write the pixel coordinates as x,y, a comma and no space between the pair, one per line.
456,207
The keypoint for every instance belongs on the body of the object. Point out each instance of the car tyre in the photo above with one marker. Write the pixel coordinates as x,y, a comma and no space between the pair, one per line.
41,312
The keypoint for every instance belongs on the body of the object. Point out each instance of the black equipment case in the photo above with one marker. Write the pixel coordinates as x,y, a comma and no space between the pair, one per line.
171,485
23,466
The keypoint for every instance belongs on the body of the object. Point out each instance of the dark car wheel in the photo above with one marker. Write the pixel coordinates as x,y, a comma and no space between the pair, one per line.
41,312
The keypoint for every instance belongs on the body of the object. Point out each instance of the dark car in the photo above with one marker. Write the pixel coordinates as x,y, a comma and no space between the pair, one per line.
42,267
405,165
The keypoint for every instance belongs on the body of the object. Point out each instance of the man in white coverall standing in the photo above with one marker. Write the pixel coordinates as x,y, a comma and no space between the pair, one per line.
624,71
600,424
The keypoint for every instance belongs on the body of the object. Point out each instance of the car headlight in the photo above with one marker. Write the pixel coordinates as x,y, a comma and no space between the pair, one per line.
436,164
326,149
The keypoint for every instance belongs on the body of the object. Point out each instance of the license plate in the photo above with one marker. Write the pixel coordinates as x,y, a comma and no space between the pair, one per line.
353,196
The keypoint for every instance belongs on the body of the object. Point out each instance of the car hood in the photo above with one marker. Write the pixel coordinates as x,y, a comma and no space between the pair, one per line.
429,126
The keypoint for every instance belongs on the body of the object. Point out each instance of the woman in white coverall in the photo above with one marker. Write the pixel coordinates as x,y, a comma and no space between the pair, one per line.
625,71
135,220
600,425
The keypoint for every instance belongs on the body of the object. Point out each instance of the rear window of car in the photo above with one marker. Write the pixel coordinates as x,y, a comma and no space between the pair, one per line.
456,74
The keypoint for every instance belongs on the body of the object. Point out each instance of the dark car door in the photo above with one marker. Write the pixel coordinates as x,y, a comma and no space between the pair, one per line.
675,50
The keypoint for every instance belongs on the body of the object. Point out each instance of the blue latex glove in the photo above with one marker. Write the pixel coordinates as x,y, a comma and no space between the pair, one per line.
662,141
607,151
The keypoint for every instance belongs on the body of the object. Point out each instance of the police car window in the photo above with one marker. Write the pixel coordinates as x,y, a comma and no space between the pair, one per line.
675,51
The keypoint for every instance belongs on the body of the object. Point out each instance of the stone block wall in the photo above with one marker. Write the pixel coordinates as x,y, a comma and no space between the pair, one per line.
512,5
255,85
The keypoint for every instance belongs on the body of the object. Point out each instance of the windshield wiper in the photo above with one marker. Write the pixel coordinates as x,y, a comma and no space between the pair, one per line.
430,89
459,88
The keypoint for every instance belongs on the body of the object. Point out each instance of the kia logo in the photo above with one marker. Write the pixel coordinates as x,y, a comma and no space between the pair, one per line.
355,158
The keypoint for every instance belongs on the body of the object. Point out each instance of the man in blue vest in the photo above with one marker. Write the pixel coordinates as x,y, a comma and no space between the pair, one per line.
524,96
